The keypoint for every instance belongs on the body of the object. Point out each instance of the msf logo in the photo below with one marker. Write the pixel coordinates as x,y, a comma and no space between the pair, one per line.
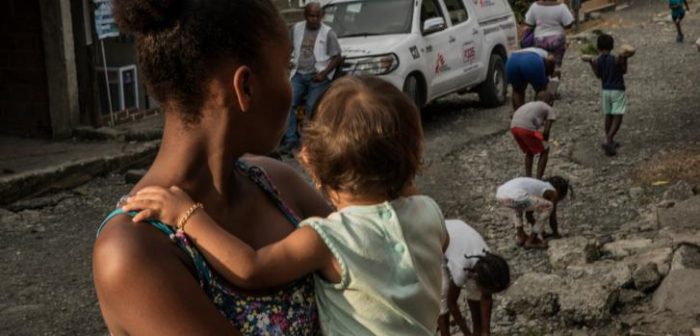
440,64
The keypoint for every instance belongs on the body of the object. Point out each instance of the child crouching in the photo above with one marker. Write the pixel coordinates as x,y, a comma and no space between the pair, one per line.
469,264
537,200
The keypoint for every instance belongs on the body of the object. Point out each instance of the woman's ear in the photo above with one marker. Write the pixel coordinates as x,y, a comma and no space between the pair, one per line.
242,87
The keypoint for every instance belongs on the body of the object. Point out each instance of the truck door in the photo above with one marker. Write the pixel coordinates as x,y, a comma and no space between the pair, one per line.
470,41
433,26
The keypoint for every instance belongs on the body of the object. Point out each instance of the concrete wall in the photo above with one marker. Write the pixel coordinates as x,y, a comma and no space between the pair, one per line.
24,99
38,81
61,73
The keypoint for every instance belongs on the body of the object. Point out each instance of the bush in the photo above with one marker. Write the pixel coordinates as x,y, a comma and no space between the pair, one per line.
589,49
520,7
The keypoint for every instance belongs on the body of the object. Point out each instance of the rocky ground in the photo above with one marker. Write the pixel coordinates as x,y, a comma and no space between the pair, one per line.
592,282
628,262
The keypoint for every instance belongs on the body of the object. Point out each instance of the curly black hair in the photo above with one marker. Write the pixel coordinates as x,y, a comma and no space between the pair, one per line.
561,185
180,41
605,42
492,272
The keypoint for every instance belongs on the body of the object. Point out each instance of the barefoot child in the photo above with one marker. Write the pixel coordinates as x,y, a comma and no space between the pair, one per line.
469,264
539,200
530,127
374,259
677,15
611,70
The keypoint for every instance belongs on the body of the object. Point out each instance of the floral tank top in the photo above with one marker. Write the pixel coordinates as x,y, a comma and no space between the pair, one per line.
288,311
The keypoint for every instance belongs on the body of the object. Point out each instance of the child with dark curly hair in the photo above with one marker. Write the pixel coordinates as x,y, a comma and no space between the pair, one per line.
470,265
375,259
538,201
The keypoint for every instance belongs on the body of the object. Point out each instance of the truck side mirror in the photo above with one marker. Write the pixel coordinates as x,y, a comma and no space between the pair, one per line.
433,25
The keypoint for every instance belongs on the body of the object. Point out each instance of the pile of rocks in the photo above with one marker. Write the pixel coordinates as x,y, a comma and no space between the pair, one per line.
590,281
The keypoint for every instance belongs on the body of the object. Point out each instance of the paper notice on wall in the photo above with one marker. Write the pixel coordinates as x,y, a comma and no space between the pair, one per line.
105,26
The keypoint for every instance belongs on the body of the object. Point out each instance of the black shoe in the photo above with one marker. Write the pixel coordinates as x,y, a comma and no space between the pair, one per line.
679,38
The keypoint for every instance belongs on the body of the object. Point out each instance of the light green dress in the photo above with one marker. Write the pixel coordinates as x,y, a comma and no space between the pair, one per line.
390,255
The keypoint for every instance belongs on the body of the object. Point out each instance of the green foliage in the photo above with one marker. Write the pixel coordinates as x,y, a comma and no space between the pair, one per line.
520,7
589,49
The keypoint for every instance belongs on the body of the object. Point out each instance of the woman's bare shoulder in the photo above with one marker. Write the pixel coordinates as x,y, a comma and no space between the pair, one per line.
292,187
271,166
145,285
283,176
123,244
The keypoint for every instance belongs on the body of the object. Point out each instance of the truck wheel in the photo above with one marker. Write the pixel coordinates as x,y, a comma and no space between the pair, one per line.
411,87
492,92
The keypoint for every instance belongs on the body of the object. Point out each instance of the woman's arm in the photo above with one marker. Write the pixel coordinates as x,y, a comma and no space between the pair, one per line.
530,19
567,19
300,253
145,287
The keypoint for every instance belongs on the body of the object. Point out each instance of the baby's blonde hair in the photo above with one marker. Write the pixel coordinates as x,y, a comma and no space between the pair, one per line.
365,138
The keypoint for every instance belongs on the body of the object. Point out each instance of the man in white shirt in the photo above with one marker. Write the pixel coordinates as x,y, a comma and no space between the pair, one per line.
316,55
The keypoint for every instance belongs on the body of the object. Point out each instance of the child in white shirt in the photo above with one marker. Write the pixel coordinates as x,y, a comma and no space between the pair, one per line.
469,264
538,201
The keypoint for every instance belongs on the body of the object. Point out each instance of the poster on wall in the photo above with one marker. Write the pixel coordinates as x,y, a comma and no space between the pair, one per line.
104,19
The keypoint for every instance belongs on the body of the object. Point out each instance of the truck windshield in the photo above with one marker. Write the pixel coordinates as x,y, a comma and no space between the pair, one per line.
370,17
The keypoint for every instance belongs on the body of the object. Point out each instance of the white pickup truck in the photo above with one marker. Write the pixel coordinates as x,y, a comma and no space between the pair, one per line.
427,48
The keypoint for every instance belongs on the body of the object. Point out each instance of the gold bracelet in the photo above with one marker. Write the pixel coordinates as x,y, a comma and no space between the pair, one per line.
183,220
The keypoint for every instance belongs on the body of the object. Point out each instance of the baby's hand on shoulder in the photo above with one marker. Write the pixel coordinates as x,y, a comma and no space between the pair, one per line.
165,205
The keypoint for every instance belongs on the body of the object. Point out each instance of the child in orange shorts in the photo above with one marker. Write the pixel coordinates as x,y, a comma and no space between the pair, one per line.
530,127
